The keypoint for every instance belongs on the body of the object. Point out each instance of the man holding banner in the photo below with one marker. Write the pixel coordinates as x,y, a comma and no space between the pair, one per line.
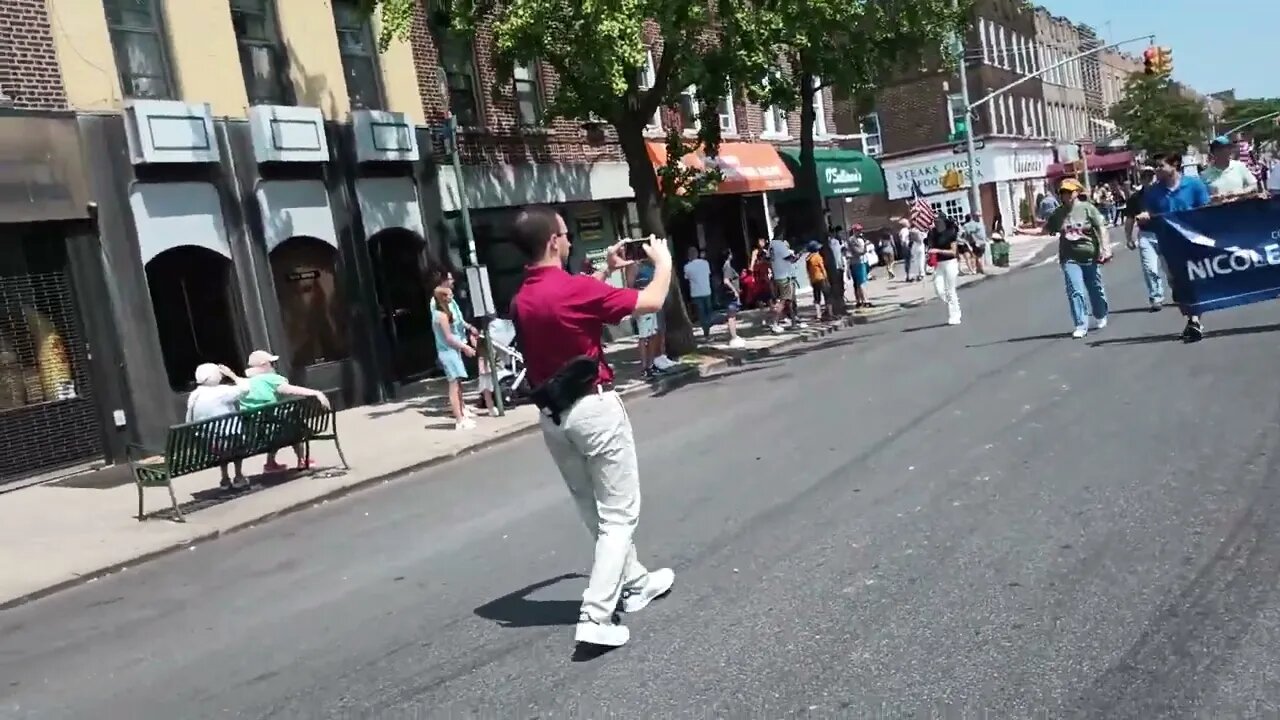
1175,193
1145,242
1228,179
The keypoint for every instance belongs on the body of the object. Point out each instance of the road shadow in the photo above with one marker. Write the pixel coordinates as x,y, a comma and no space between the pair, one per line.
1022,339
517,610
934,326
1176,337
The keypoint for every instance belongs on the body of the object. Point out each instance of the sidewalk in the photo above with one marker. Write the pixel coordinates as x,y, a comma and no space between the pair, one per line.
76,529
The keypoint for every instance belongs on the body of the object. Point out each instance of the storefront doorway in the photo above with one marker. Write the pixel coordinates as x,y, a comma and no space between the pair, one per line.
48,417
404,301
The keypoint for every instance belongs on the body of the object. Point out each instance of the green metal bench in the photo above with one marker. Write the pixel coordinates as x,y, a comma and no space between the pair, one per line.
194,447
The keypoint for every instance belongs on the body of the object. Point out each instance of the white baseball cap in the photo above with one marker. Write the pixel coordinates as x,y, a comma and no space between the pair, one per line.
208,374
258,358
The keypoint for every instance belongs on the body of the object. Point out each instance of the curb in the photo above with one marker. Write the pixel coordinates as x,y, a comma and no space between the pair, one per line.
665,384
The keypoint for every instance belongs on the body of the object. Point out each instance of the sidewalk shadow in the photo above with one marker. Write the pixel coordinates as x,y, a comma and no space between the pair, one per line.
217,495
516,610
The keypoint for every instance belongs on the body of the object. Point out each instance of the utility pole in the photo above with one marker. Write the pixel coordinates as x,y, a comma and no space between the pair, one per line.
1242,126
971,150
473,256
974,198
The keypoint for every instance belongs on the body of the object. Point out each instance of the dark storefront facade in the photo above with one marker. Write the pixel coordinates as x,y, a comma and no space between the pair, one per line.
282,232
56,351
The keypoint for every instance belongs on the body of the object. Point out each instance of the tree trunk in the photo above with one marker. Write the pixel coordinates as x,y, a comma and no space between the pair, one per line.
644,183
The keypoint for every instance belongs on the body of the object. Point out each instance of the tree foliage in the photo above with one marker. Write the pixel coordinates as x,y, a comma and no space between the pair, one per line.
598,50
1242,111
1157,117
855,47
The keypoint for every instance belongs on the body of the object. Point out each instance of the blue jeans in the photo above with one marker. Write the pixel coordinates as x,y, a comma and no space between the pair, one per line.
702,305
1084,278
1149,254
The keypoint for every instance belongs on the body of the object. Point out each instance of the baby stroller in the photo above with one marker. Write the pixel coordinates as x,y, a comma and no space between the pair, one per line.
512,382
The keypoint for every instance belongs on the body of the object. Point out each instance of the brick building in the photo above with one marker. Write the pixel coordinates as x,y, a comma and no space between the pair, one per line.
29,74
913,119
1066,115
512,155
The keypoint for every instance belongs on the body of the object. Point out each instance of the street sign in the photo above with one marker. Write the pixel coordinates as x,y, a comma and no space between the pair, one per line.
962,148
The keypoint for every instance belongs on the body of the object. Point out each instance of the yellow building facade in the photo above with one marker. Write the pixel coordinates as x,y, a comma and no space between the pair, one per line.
197,51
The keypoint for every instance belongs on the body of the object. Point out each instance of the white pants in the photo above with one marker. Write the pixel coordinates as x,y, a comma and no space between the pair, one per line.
944,283
596,452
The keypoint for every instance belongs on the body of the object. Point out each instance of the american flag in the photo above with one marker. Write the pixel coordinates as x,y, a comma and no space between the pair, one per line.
922,215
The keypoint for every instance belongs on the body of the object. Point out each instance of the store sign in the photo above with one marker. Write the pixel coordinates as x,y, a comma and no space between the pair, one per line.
939,173
933,175
42,174
591,229
844,181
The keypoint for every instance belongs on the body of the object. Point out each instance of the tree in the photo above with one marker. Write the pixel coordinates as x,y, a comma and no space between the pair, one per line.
855,47
1158,118
1239,112
599,52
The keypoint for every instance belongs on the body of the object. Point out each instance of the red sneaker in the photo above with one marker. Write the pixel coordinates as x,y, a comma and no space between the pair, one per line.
306,464
274,467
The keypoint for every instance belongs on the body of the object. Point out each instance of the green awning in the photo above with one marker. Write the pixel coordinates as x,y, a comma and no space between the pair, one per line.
841,173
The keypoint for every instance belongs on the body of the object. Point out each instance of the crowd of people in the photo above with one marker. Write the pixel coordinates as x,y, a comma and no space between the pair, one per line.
1081,222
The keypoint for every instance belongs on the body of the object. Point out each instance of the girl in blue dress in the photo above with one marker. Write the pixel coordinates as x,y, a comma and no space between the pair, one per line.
451,344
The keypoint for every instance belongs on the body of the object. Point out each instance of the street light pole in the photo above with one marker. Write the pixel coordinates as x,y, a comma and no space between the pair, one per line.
1238,128
971,151
974,199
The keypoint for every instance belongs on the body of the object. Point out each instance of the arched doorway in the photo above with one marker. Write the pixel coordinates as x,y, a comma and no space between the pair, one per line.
312,304
192,298
404,300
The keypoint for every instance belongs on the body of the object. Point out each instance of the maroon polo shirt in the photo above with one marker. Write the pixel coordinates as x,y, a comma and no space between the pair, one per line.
563,316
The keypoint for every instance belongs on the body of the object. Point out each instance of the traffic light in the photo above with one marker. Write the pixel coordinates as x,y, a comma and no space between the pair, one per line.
1150,59
960,130
1166,61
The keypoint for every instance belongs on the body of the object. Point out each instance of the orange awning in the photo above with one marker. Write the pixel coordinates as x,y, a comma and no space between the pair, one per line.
746,167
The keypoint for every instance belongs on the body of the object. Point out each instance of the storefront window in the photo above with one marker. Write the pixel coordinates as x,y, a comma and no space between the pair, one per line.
38,328
192,298
311,302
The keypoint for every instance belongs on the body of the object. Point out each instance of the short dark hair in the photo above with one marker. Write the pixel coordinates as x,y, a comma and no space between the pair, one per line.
535,225
1172,159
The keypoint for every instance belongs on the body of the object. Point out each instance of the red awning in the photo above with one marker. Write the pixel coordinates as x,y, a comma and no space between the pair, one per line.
746,167
1109,162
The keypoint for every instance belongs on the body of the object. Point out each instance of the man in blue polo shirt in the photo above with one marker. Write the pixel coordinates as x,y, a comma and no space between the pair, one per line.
1175,192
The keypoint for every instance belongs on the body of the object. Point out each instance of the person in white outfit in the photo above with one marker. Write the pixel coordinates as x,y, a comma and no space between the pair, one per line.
942,242
913,240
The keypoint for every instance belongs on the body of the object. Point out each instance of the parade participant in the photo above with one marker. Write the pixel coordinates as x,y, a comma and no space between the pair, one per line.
1228,179
560,319
943,241
1082,249
1175,192
1146,243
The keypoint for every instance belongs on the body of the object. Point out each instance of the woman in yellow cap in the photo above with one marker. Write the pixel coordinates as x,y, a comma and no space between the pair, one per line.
1083,247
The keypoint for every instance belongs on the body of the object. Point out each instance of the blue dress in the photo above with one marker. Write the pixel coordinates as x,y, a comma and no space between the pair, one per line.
450,358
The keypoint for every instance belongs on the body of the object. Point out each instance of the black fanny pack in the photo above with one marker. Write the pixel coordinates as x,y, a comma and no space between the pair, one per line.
577,379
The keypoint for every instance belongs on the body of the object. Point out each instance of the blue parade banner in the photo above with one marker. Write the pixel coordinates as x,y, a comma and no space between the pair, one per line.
1221,256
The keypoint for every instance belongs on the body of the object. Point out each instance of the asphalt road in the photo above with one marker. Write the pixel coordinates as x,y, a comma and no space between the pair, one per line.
910,521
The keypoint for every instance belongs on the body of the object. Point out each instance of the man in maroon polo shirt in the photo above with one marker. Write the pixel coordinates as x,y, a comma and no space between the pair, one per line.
561,318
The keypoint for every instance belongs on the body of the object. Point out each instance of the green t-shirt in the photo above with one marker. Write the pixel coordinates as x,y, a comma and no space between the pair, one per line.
262,391
1079,229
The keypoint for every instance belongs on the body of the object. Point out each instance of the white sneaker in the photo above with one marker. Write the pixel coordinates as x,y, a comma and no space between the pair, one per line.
1098,324
776,329
800,325
662,362
1080,332
656,584
953,321
604,635
737,343
465,424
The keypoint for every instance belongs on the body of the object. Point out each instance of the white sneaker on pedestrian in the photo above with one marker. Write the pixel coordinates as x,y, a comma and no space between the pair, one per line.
1080,332
801,325
465,424
776,329
953,321
738,343
1099,323
656,584
662,362
610,634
